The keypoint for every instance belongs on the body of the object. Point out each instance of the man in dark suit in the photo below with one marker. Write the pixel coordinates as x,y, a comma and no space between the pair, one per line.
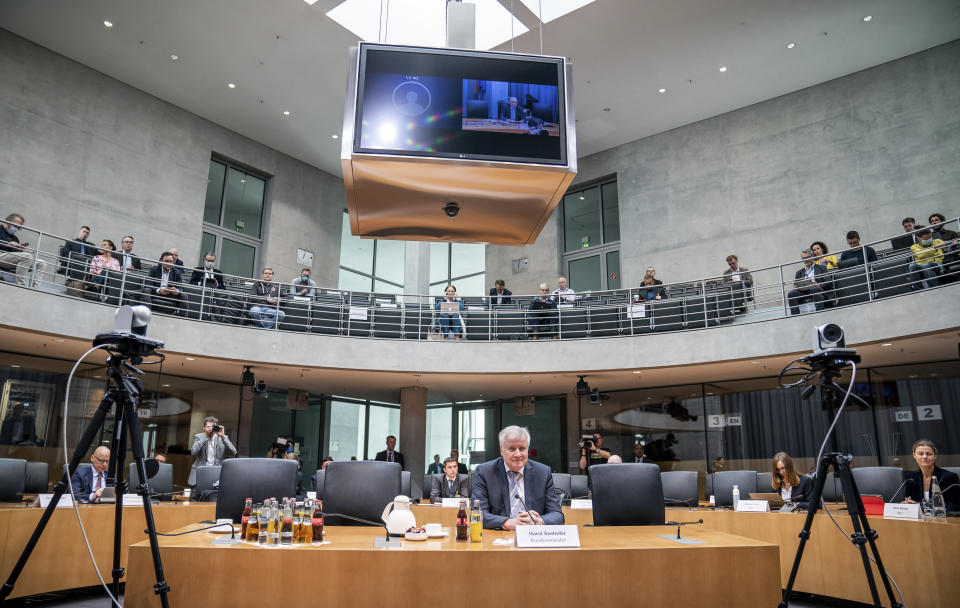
514,491
176,257
88,483
461,468
390,454
907,240
638,455
128,259
809,284
436,467
510,110
451,484
160,285
499,294
207,275
80,246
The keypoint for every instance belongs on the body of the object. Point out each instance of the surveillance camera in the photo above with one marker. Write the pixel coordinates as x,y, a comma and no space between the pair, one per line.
582,387
828,336
595,397
452,209
260,386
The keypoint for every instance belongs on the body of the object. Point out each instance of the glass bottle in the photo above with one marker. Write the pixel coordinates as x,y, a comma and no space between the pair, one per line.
253,526
306,522
245,518
286,525
476,522
936,499
264,517
463,524
318,521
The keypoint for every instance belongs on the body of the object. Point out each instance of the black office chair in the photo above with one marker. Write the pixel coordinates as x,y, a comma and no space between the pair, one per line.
955,470
478,108
832,490
406,484
256,478
38,478
13,479
765,483
878,480
428,484
579,486
361,488
208,481
561,481
708,486
679,487
161,483
318,479
626,494
723,482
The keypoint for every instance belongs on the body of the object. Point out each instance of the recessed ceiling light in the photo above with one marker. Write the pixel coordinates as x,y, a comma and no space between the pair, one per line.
914,375
191,358
58,339
14,366
887,344
661,90
755,362
709,393
524,376
792,45
310,2
723,68
868,18
638,372
164,385
174,56
286,112
335,136
581,197
231,85
108,24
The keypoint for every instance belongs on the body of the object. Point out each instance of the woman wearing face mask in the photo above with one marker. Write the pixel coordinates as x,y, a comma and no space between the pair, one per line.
927,258
823,257
104,260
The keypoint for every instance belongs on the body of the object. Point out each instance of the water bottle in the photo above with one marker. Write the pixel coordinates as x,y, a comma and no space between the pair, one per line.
939,508
736,497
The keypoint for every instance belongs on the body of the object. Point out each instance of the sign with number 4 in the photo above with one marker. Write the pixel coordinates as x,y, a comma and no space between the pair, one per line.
929,412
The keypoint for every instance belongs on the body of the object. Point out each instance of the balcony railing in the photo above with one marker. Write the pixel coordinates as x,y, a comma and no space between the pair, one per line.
768,293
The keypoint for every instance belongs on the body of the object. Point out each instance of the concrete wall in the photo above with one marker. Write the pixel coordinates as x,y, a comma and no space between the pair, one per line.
860,152
78,147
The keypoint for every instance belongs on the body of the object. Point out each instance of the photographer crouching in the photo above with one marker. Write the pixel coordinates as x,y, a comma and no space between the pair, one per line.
209,447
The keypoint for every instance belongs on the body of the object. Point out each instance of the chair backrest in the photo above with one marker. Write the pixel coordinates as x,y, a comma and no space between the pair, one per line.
207,478
38,478
832,491
13,478
160,483
708,486
318,479
477,108
679,486
406,484
361,488
579,486
884,481
428,485
626,494
765,482
256,478
561,481
955,470
723,482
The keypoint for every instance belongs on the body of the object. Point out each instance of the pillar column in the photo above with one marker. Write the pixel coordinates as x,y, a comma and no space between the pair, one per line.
413,433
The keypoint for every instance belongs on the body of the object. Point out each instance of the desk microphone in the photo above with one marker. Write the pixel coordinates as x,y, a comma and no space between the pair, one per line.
943,491
685,523
897,491
520,498
686,503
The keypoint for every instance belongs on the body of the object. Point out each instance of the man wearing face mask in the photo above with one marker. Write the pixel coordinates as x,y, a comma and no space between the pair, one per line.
927,258
208,275
303,285
12,250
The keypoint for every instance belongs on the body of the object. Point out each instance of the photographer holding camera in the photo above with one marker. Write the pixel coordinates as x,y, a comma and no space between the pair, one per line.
209,447
280,448
592,452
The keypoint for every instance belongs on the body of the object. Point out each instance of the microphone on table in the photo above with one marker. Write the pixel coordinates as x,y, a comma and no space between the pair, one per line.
676,501
943,491
897,491
685,523
522,504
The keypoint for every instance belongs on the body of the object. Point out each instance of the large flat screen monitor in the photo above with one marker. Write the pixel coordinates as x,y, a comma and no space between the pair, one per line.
470,105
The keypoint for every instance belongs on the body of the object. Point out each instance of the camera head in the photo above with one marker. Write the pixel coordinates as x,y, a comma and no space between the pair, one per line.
451,209
827,336
129,336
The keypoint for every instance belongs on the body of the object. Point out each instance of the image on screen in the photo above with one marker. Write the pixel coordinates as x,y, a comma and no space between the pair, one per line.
453,105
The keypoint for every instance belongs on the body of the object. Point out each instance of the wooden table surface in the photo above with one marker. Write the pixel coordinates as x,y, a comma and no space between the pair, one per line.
494,126
60,560
614,567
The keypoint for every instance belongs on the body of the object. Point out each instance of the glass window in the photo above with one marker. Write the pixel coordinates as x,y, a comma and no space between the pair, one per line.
383,421
212,206
390,259
352,281
371,264
461,264
613,270
581,219
472,286
545,425
271,419
439,436
439,263
611,213
585,274
346,430
208,242
467,258
238,259
355,253
243,203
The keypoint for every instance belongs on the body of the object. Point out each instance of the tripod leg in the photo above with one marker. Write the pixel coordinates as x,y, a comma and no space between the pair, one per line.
133,426
89,434
814,504
117,454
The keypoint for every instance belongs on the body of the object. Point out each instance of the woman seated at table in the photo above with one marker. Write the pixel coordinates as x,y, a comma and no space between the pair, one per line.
104,260
791,486
450,324
917,483
824,257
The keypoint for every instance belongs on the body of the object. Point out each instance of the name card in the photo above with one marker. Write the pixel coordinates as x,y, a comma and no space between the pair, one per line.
358,313
65,501
453,502
132,500
584,504
902,510
548,537
753,506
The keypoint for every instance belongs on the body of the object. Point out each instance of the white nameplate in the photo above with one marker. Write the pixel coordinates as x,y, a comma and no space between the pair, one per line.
902,510
453,502
65,501
132,500
552,537
581,503
358,313
312,495
753,506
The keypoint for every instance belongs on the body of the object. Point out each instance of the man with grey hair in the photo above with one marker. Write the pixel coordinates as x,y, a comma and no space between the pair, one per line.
808,285
514,491
563,292
614,460
12,250
542,314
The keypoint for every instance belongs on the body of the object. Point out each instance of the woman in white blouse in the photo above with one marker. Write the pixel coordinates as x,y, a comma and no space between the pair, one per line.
791,486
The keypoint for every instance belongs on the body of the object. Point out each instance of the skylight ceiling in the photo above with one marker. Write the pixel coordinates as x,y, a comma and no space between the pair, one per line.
423,22
548,10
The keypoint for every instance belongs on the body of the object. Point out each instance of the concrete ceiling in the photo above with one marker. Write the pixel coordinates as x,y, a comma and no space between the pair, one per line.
181,370
287,55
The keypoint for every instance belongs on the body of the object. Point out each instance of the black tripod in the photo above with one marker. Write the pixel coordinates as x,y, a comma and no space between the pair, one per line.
829,368
123,391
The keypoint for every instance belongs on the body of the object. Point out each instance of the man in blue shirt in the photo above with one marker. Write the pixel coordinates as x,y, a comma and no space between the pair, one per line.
856,251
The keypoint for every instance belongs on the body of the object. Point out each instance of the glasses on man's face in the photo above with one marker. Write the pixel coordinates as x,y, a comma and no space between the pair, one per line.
102,460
